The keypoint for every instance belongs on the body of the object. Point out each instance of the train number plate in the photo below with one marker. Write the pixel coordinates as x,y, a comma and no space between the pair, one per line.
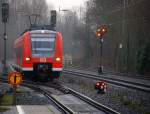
42,59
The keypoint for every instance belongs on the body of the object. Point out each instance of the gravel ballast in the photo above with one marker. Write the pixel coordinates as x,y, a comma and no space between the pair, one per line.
26,96
123,100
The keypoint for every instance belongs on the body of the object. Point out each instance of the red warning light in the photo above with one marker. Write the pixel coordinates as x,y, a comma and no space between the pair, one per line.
101,31
100,86
97,84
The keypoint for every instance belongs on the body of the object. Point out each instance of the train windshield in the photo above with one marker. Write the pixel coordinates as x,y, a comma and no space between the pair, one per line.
42,46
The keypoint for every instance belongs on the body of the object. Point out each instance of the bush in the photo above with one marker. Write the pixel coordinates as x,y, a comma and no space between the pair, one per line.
1,96
143,60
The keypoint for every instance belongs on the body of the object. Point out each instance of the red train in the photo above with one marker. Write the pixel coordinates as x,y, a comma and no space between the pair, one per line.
38,54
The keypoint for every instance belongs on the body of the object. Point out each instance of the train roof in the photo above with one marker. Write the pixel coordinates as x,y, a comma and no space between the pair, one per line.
42,31
35,28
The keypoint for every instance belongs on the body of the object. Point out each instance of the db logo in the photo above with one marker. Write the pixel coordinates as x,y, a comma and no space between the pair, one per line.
42,59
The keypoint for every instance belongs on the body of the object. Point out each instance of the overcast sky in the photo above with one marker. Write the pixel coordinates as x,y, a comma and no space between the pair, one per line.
66,4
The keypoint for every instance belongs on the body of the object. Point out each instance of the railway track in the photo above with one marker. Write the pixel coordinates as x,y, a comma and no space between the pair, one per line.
46,93
106,110
119,82
93,103
143,77
63,108
67,91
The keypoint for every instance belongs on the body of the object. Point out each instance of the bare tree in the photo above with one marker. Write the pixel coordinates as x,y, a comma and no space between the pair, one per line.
20,11
127,23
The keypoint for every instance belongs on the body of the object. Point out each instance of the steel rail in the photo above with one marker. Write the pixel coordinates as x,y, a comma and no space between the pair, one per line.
73,92
57,103
62,107
92,102
49,96
103,75
118,82
63,88
86,99
106,72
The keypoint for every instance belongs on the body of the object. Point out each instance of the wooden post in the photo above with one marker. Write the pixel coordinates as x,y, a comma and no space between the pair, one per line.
14,94
14,88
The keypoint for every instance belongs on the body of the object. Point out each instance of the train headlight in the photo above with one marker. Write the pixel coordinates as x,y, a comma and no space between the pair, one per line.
57,59
28,58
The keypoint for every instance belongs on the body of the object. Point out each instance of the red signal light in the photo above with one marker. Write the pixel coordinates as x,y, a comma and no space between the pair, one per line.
97,83
101,31
98,34
101,87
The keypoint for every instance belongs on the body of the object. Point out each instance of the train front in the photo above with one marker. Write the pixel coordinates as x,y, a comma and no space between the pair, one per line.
45,55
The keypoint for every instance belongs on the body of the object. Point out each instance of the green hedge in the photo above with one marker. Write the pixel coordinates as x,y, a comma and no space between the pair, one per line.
143,60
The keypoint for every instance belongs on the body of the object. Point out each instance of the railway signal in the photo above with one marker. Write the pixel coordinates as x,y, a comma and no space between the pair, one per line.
101,31
101,87
53,19
14,78
99,34
5,12
5,15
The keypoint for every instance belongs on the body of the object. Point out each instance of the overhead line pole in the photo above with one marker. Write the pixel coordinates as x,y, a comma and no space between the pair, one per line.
5,14
5,38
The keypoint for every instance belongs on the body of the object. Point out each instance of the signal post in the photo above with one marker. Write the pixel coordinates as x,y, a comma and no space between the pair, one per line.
5,15
14,78
99,34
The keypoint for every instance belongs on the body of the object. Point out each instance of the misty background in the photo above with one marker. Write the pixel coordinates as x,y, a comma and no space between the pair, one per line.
126,44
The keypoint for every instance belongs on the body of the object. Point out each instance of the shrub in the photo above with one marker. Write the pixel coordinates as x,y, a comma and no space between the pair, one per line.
143,60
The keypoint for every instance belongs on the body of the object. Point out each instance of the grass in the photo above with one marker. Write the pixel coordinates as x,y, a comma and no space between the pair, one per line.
132,105
3,109
147,112
7,100
20,90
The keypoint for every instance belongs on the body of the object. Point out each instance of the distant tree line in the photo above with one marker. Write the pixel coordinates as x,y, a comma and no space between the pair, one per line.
128,23
19,13
126,45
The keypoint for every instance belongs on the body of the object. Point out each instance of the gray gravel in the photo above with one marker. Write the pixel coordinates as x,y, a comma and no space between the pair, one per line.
4,87
27,96
124,100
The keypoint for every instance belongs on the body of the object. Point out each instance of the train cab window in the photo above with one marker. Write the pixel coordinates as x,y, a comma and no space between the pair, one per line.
42,47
